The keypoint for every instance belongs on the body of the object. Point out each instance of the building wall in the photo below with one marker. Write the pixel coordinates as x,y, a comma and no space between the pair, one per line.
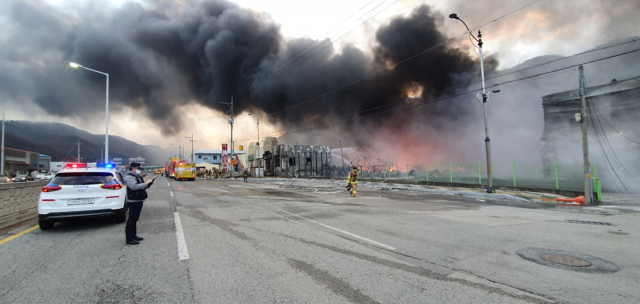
211,158
19,161
45,163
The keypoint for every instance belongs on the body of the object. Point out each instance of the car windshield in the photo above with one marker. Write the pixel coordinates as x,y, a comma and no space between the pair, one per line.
83,178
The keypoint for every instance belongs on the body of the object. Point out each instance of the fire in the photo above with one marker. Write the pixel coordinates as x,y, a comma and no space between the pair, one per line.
415,91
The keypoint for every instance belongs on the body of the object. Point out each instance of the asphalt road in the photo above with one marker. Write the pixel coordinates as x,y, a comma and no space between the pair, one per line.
273,240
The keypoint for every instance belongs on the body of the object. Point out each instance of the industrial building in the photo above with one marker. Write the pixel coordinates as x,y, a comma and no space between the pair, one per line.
613,110
285,160
20,161
44,163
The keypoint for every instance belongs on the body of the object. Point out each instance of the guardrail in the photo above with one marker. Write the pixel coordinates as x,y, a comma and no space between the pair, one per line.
19,202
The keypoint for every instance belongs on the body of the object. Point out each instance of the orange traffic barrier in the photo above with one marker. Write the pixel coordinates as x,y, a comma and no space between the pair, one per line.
580,200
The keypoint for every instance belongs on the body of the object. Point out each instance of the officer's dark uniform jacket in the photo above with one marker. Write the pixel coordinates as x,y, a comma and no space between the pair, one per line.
135,187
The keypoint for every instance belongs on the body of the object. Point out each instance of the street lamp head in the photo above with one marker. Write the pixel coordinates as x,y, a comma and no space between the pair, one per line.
74,65
453,16
495,91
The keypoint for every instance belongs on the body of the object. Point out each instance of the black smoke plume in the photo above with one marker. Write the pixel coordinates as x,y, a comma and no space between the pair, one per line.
158,59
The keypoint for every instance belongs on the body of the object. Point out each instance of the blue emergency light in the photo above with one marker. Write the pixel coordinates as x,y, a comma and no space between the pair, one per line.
107,166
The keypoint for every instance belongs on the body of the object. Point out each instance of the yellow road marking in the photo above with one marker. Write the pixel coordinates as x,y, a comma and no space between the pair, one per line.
17,235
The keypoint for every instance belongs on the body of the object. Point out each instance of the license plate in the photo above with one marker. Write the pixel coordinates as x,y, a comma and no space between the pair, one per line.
80,202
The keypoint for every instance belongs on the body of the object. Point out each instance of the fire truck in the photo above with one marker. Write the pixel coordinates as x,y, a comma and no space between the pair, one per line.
185,170
169,169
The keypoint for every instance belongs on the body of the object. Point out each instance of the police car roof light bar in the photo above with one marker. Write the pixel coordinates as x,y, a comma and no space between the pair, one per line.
76,165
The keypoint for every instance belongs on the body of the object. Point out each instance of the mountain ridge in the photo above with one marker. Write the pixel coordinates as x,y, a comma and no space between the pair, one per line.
59,141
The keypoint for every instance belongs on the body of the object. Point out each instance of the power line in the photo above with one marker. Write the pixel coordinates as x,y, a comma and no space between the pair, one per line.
601,137
515,80
285,131
299,62
311,43
621,134
404,60
495,77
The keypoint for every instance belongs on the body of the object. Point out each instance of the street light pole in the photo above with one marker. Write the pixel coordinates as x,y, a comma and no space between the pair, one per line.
258,124
230,121
106,132
487,141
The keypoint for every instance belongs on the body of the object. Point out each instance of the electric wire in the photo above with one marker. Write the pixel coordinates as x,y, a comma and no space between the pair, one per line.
602,150
289,131
498,76
597,129
621,133
299,62
404,60
65,158
604,143
285,131
311,43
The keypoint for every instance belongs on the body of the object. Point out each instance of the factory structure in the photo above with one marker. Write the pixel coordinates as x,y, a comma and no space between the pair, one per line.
274,159
613,110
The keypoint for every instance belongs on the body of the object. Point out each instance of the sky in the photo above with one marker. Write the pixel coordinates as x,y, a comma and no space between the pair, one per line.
543,28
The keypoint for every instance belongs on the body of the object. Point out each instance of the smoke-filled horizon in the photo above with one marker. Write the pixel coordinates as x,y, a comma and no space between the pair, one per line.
161,60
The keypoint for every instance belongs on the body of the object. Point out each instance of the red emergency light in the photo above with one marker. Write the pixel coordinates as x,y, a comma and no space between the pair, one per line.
76,165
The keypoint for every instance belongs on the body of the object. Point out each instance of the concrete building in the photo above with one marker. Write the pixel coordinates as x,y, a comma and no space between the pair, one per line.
44,163
214,157
614,111
20,161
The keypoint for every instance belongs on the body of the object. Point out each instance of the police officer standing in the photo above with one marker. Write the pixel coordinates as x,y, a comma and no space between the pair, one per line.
136,195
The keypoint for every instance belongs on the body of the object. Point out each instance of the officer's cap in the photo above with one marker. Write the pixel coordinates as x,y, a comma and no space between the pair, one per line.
135,165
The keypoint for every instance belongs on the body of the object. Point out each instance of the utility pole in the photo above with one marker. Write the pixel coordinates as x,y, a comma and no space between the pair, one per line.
230,121
191,140
2,157
258,124
585,140
78,150
487,141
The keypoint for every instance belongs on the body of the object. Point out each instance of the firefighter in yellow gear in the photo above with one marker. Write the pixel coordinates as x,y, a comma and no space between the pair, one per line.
352,180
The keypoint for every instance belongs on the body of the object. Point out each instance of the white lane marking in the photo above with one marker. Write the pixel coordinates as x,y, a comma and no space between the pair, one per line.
345,232
168,184
183,253
171,192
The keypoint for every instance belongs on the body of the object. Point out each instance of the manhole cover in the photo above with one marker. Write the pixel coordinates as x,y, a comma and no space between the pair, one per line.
589,222
565,260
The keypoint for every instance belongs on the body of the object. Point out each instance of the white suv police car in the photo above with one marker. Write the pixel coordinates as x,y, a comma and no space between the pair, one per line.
78,191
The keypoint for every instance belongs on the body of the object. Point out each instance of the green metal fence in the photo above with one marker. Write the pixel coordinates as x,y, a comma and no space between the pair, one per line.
537,175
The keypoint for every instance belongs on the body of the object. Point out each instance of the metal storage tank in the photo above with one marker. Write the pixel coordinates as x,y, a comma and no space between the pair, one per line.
253,154
270,144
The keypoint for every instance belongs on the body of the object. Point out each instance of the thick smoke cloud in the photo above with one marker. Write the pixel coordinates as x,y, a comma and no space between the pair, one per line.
162,55
212,50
